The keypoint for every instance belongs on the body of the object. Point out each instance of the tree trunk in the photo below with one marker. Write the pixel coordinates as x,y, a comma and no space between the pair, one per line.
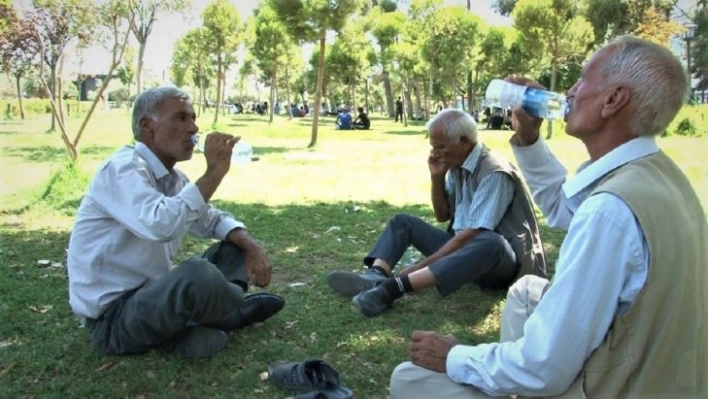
470,93
389,94
139,70
218,87
554,75
223,94
287,91
409,101
366,95
53,93
19,97
318,91
273,83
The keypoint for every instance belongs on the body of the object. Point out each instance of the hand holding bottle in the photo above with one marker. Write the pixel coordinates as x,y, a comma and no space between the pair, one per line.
527,127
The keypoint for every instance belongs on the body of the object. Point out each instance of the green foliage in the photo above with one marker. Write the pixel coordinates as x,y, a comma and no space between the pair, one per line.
686,127
68,183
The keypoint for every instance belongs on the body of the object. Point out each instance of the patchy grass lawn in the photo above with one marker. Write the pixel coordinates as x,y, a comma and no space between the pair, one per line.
315,210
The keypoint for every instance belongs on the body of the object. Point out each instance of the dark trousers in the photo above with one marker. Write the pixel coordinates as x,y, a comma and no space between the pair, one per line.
399,115
487,260
200,290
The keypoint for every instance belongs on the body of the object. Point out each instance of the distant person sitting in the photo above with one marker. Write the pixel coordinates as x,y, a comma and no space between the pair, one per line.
294,111
344,120
362,121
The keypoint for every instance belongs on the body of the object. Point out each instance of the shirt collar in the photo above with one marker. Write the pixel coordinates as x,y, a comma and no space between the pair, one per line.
153,163
591,172
473,158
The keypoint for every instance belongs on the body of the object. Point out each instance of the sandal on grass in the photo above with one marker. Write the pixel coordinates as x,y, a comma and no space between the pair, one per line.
307,376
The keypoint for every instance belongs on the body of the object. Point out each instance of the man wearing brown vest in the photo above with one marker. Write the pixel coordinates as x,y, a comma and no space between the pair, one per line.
492,238
626,314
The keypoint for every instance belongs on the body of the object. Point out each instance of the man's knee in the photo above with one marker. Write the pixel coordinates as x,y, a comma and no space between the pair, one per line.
199,271
402,219
527,290
401,378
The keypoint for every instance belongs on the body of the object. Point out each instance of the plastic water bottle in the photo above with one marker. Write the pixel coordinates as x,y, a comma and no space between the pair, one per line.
242,152
536,102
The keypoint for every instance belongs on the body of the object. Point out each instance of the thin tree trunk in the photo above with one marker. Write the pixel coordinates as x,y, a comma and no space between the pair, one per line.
388,91
273,83
53,93
318,91
19,98
139,70
218,87
287,91
554,75
366,96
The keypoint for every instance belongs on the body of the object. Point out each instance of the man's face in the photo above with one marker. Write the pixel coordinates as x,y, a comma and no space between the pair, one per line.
451,153
586,98
169,135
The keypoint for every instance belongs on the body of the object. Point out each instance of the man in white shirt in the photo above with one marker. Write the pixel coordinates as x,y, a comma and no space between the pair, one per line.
129,227
615,322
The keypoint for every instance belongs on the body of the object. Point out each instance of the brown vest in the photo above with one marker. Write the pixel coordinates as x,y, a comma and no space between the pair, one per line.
659,348
518,225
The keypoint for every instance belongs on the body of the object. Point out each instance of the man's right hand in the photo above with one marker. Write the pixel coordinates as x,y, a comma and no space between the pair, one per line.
218,148
527,128
217,151
438,168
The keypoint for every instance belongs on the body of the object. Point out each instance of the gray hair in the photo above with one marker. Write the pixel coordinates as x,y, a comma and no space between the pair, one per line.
455,124
658,82
150,99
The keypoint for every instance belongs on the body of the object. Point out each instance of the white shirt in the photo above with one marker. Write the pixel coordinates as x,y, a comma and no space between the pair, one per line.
602,266
127,230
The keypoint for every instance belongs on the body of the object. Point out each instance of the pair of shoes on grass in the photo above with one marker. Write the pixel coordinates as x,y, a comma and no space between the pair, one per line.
368,296
310,379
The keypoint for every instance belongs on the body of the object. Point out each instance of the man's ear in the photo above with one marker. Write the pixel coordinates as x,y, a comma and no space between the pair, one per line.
616,101
145,128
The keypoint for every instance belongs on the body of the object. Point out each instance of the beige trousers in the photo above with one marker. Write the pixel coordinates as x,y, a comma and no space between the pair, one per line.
409,381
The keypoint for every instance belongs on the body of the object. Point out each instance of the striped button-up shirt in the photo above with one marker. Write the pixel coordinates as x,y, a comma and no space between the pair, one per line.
482,208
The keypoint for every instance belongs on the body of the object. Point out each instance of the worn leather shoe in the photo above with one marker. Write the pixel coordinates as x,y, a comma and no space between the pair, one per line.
255,308
373,302
350,283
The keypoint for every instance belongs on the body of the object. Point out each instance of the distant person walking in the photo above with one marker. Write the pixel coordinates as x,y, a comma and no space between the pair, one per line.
399,109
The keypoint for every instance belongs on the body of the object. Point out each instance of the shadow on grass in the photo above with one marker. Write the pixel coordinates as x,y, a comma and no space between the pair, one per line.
304,243
53,154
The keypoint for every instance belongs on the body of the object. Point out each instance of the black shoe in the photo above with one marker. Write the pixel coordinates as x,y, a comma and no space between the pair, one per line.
196,342
350,284
373,302
255,308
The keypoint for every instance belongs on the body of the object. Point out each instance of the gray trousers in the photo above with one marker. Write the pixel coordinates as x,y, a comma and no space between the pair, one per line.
488,260
409,381
200,290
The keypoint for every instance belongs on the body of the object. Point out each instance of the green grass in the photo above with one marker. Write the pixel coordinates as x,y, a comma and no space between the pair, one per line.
299,202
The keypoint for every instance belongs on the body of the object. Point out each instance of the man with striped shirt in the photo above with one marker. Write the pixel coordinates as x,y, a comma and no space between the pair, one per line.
492,236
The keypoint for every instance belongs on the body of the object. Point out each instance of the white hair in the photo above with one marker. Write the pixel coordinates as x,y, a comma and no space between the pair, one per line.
658,82
150,99
454,124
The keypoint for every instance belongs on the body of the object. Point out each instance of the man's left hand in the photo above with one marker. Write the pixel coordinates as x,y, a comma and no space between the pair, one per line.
429,350
258,266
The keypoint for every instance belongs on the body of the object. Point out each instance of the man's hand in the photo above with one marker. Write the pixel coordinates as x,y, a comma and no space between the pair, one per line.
429,350
258,268
527,128
217,151
437,167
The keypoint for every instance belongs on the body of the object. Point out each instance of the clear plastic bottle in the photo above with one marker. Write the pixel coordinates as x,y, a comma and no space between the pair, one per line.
536,102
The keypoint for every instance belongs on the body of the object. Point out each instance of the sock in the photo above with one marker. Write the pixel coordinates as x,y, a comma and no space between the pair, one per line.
380,270
397,286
